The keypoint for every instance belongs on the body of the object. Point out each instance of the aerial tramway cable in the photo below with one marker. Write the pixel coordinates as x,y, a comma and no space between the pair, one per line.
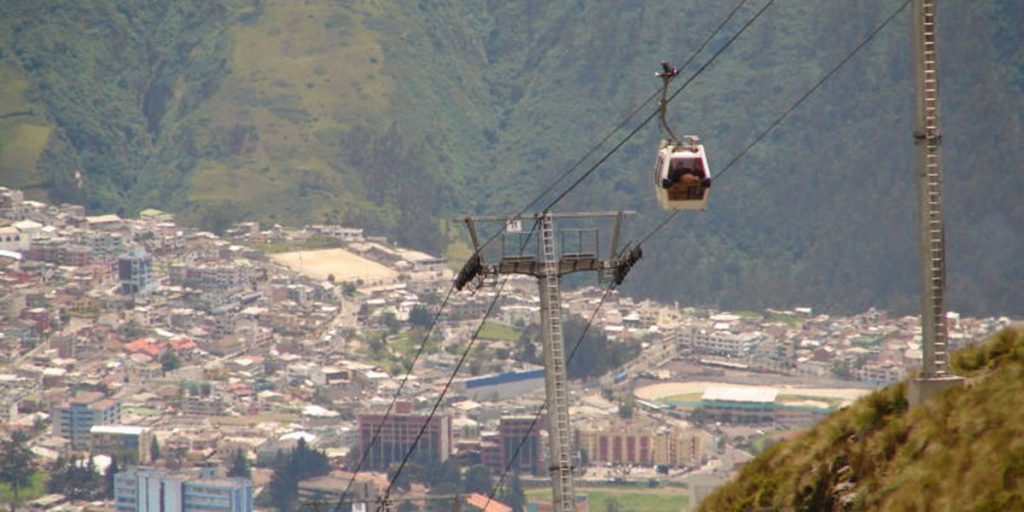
778,120
671,216
547,208
669,99
540,410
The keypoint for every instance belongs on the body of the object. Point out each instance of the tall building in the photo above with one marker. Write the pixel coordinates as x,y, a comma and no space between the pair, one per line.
640,444
129,445
146,489
135,271
328,488
73,420
511,432
399,432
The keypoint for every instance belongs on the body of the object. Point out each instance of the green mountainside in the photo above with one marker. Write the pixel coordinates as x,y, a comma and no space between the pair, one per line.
393,116
961,451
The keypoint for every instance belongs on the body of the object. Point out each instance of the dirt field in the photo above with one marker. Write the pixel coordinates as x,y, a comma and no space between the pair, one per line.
344,265
668,389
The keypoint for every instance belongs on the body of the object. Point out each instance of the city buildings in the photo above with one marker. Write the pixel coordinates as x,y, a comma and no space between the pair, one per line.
135,271
73,420
129,445
328,488
146,489
513,430
640,443
398,433
501,385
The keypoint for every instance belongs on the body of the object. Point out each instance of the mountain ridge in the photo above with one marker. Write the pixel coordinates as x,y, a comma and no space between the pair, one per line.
393,118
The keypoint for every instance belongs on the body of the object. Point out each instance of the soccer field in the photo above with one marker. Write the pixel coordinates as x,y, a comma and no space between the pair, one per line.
344,265
632,499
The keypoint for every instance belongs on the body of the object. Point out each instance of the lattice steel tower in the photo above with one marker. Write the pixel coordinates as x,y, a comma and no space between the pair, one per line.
578,252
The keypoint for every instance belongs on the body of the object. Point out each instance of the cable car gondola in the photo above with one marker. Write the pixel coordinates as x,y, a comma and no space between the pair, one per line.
682,177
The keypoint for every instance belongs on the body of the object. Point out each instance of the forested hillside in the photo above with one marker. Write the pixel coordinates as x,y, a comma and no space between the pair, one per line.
959,451
395,115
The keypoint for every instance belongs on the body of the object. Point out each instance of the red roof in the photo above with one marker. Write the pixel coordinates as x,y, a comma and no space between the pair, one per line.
144,346
183,344
480,501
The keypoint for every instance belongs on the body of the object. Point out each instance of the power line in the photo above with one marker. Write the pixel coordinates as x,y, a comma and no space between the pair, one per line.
444,391
540,410
419,351
394,399
790,110
547,208
640,107
671,216
810,91
668,100
563,176
458,366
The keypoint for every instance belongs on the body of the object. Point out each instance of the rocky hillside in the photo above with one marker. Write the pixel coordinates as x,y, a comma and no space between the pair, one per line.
395,115
961,451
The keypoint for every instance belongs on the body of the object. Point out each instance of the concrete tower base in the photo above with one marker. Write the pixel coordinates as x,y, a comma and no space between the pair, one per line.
921,389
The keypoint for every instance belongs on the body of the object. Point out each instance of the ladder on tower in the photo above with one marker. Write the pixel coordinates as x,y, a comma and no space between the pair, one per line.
931,138
561,463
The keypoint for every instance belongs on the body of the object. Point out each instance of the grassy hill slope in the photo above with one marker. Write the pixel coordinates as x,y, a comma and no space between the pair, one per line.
961,451
394,116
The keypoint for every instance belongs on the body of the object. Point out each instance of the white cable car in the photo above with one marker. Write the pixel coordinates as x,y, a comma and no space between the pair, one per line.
682,178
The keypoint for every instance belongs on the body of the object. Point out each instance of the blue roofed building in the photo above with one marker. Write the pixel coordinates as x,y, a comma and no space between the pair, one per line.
499,386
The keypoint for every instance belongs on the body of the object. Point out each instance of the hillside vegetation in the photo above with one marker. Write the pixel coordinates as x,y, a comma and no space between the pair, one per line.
961,451
393,116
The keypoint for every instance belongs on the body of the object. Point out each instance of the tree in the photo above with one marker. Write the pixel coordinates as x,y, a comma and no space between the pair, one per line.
477,479
597,355
130,329
391,322
77,479
527,352
300,464
512,494
239,465
438,473
108,479
376,345
626,407
282,484
16,464
169,361
348,289
154,450
420,316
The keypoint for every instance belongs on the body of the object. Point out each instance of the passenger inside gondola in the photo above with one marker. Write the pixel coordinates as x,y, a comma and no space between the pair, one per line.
685,180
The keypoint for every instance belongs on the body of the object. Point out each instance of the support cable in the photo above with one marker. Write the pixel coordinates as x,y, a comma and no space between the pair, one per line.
458,366
790,110
444,392
815,87
543,405
394,399
661,91
669,99
563,176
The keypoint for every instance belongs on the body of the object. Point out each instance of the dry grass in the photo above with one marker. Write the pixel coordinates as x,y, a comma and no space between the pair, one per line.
960,451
